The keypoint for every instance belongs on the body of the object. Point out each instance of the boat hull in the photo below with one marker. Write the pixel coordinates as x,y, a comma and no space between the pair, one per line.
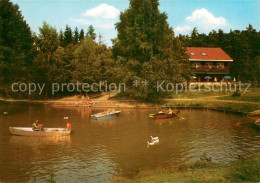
257,122
254,113
48,132
103,115
164,115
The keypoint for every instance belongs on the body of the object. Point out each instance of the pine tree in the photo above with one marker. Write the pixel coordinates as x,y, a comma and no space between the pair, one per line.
195,38
81,35
91,33
68,38
76,36
61,37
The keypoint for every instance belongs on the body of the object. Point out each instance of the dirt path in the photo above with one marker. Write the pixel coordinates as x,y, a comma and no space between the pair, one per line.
106,101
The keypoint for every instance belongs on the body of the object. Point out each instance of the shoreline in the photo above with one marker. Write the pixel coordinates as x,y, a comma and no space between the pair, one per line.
225,102
120,105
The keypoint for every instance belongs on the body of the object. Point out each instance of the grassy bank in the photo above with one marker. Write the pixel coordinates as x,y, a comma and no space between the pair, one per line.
227,101
217,105
243,170
224,101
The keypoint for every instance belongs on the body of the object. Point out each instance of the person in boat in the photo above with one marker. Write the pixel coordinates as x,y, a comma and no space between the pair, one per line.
68,126
36,126
107,111
160,112
169,111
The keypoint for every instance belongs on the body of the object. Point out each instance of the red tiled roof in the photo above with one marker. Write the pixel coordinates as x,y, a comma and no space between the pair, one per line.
212,54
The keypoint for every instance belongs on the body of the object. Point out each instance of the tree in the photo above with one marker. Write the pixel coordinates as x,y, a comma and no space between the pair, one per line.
147,50
92,63
45,63
91,32
195,38
85,58
76,36
61,38
15,45
100,39
81,35
48,39
68,38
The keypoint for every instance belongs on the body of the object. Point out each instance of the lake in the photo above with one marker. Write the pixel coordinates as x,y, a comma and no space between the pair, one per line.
99,149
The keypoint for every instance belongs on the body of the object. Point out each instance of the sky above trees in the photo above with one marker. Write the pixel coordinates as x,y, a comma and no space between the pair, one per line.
183,15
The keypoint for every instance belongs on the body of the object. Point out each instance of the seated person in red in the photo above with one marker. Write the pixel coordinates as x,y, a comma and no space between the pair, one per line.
68,126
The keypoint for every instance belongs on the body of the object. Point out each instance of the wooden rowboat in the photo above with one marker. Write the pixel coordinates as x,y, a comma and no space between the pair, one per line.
164,115
105,114
48,132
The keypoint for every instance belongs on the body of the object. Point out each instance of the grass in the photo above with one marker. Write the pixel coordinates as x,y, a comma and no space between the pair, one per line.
243,170
247,102
224,106
252,96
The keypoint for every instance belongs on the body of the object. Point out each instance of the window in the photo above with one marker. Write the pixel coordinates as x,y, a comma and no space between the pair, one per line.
220,65
196,65
204,54
209,65
192,54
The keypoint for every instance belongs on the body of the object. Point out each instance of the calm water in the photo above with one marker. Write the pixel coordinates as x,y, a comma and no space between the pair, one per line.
99,149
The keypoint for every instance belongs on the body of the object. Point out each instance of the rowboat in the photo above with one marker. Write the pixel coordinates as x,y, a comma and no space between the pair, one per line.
257,122
105,114
254,113
164,114
47,132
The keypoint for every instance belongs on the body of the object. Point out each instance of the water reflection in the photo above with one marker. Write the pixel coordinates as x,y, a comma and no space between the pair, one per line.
39,141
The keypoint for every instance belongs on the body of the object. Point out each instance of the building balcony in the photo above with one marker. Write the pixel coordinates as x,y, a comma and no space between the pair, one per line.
213,68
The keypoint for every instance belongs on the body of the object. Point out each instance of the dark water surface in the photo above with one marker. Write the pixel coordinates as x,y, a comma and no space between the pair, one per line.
99,149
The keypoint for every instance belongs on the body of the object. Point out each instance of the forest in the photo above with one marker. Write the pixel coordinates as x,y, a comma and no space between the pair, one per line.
145,48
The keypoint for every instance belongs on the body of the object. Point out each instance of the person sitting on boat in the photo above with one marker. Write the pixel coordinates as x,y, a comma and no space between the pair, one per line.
107,111
170,111
36,126
160,112
68,126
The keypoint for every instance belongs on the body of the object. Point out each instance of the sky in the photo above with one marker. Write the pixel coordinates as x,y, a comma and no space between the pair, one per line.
183,15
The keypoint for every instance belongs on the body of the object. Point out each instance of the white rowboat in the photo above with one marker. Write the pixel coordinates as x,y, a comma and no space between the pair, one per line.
104,114
48,132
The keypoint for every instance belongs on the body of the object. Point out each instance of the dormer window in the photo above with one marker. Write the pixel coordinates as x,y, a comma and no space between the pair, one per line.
192,54
204,54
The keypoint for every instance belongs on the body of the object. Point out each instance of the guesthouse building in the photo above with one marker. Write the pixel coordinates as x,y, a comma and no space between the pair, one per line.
209,64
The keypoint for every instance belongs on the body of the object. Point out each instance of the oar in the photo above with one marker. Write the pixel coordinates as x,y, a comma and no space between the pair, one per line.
179,116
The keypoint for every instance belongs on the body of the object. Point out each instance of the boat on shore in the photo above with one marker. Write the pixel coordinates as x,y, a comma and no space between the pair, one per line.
47,132
105,114
254,113
164,114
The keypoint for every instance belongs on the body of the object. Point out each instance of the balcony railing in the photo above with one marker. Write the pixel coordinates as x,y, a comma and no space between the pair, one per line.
213,68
